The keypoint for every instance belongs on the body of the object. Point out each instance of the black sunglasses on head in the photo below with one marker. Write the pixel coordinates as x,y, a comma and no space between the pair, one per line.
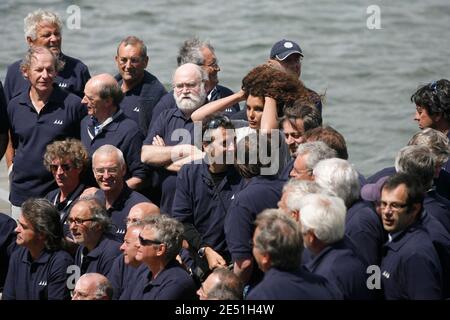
217,122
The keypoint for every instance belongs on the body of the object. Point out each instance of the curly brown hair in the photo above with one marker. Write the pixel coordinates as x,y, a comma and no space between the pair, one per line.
71,149
266,81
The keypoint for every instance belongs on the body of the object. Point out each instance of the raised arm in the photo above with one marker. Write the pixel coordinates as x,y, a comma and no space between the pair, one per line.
269,118
217,105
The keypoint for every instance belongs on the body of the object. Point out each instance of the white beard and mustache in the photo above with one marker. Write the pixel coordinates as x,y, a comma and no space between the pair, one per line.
193,103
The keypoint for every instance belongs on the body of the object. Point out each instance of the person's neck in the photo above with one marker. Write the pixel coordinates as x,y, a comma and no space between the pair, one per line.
112,195
39,98
156,267
100,120
127,85
66,190
217,168
93,243
36,250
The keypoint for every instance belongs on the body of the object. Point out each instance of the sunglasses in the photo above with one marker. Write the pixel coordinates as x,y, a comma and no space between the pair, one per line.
217,122
65,167
148,242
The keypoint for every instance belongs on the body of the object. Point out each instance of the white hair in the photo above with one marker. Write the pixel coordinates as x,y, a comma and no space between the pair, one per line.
109,149
315,151
324,215
296,190
338,177
33,19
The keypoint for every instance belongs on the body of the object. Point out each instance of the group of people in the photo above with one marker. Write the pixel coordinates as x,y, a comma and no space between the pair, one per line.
122,190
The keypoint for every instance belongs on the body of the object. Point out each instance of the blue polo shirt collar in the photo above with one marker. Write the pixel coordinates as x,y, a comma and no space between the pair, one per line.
57,97
162,276
179,114
123,197
312,264
97,251
399,239
231,172
42,259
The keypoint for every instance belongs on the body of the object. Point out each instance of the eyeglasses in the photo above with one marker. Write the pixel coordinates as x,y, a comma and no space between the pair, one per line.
395,206
112,170
78,221
65,167
217,122
213,65
294,135
147,242
187,85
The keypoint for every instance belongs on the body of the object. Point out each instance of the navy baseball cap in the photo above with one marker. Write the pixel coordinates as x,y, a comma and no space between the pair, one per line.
284,48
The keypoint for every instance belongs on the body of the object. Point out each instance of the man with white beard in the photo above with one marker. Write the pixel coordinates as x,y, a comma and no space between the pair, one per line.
170,139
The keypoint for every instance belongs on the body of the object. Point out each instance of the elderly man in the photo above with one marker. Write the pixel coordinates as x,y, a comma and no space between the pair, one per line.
140,211
107,124
277,248
37,269
66,160
43,28
201,53
92,286
108,166
89,224
37,117
167,151
165,279
410,266
141,89
322,222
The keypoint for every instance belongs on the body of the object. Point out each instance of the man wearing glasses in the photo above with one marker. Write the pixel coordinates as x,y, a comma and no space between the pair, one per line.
109,168
89,224
107,124
141,89
159,243
410,268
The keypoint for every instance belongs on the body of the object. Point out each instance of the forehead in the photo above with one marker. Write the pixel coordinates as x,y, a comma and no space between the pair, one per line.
148,231
288,127
42,58
208,55
398,194
133,232
24,221
80,209
130,49
188,74
254,101
300,161
105,159
46,26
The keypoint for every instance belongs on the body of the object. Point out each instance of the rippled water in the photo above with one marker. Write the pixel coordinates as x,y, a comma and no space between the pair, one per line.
368,75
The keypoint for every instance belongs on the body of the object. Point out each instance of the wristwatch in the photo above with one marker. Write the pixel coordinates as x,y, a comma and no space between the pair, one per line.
201,252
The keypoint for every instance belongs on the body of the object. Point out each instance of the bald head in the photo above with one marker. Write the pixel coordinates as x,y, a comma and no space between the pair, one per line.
93,286
141,211
189,71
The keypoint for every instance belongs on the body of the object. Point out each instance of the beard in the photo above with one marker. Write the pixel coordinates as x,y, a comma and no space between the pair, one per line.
190,102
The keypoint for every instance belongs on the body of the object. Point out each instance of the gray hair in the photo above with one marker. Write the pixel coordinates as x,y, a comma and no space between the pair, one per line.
191,52
167,230
103,288
417,160
338,177
297,189
111,90
315,151
134,41
279,236
229,286
33,19
31,54
98,212
324,215
110,149
45,219
435,140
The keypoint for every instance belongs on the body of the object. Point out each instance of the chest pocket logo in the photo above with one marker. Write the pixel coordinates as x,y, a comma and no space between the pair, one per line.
63,85
136,109
120,231
386,274
59,122
42,283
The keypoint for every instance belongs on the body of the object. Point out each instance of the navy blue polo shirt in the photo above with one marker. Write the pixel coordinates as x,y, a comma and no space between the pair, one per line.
32,132
260,192
438,207
171,283
287,170
364,227
168,102
169,121
42,279
120,209
99,259
410,268
124,134
121,276
139,102
65,206
7,244
199,202
342,267
293,285
441,241
4,125
72,77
